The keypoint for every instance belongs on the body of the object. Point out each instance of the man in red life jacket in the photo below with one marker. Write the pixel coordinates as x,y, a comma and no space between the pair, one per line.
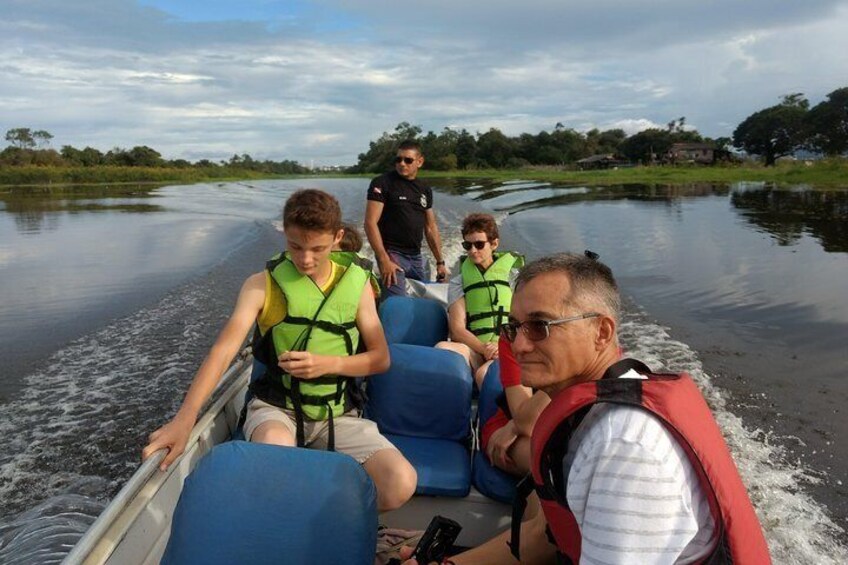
629,466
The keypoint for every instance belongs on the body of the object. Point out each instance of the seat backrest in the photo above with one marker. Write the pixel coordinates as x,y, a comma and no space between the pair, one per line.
416,321
255,503
425,393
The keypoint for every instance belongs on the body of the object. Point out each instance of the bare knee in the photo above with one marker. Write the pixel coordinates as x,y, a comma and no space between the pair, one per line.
273,433
480,374
456,347
394,477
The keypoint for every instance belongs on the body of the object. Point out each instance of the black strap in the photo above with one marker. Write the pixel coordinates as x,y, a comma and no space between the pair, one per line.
620,367
519,504
338,329
485,284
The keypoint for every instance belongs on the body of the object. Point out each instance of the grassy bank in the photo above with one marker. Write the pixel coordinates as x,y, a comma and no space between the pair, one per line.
39,176
832,173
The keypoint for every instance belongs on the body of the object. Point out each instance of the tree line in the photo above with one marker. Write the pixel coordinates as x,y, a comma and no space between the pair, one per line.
768,134
28,147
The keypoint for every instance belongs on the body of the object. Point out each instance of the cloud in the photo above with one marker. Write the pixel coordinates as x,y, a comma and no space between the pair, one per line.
319,80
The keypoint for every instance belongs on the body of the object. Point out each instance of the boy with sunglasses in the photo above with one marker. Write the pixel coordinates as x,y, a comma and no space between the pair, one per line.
479,297
398,215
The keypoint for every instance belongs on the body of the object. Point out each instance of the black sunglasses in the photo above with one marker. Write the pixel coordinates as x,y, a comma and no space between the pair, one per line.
407,160
477,244
537,330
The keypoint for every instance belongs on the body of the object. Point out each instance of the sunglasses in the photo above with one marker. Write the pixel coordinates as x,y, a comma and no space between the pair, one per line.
467,245
407,160
537,330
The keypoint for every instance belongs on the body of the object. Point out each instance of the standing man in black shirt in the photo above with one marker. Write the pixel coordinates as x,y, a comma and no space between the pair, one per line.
398,215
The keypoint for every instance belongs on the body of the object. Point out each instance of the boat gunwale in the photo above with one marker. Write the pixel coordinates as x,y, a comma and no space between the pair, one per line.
111,526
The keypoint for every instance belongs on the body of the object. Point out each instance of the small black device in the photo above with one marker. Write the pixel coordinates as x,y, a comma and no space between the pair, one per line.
437,540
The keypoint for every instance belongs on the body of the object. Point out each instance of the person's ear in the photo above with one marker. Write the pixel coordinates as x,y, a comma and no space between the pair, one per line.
494,243
606,332
338,238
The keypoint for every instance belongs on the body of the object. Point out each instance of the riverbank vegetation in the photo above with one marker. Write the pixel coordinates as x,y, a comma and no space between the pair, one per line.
676,153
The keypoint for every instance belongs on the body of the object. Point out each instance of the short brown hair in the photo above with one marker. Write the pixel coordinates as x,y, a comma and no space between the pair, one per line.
480,222
592,283
314,210
351,240
410,145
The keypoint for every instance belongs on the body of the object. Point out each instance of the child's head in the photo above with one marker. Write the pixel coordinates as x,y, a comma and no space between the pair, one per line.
480,238
351,240
312,222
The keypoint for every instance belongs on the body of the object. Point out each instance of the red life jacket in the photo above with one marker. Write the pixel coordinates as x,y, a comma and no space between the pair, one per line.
677,402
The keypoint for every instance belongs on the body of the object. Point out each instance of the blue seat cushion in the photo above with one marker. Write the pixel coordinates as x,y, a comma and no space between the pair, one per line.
489,393
425,393
491,481
416,321
443,466
258,504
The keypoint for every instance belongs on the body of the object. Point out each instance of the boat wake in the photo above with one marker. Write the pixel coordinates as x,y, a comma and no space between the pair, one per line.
796,527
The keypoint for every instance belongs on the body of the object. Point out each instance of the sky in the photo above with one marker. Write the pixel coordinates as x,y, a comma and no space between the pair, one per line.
316,81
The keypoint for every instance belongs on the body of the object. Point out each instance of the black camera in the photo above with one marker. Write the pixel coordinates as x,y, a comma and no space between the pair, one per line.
437,540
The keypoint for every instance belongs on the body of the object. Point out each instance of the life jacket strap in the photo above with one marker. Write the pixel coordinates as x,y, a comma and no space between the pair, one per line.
485,284
338,329
519,504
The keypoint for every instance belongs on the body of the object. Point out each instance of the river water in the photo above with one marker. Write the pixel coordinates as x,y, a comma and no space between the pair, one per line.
109,299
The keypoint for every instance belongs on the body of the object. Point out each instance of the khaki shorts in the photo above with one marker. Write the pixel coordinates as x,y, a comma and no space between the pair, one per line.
354,436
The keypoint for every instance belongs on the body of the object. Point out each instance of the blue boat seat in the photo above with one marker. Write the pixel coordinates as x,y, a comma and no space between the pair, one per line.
487,478
258,504
423,405
416,321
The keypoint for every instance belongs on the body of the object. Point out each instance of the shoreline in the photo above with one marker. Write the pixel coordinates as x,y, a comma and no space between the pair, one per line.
830,173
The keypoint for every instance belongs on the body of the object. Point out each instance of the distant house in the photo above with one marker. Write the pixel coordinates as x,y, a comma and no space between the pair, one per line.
602,161
701,153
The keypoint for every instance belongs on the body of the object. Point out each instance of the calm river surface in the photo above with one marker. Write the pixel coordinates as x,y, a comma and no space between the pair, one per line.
110,297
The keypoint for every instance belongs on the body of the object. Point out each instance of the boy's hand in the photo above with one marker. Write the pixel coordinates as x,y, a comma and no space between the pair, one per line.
173,436
307,365
491,351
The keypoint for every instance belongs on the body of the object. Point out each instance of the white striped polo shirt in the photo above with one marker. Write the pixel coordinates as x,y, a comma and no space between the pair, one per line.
634,492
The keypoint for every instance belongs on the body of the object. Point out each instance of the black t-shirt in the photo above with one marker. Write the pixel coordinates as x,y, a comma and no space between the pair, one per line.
404,205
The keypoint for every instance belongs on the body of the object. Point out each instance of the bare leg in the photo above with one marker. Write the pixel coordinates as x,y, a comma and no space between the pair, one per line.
274,433
480,373
456,347
393,476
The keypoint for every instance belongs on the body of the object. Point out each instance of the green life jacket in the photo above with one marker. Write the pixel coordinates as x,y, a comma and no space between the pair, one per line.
488,295
315,322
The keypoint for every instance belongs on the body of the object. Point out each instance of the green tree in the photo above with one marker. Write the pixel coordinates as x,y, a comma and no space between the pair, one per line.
381,153
42,138
646,146
776,131
466,150
22,138
144,156
494,149
828,123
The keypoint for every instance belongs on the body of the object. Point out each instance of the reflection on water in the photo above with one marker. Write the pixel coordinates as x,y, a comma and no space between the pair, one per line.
750,280
40,208
788,215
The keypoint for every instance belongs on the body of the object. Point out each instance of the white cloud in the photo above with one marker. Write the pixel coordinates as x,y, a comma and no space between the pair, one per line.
301,86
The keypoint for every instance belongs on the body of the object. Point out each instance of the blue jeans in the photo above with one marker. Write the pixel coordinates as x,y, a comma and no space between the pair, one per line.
413,267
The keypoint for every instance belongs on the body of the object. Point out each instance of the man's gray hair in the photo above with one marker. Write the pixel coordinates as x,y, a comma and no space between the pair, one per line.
592,282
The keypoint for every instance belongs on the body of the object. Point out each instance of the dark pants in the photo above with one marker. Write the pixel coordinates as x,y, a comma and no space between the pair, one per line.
413,267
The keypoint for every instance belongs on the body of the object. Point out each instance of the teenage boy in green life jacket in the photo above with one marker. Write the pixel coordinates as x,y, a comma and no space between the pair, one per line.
310,307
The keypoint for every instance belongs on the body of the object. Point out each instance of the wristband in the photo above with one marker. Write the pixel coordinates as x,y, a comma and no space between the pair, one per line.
439,263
